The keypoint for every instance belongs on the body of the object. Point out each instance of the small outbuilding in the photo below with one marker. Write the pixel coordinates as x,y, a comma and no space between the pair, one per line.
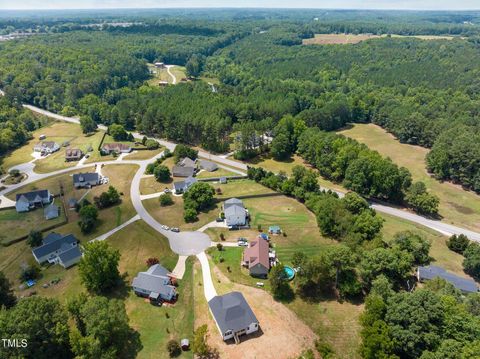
51,211
274,230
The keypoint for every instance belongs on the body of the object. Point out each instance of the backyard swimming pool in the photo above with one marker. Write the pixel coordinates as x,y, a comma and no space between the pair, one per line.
289,273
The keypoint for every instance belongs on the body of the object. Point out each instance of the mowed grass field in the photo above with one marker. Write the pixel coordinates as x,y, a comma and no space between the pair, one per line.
172,215
344,39
120,177
457,206
58,132
15,225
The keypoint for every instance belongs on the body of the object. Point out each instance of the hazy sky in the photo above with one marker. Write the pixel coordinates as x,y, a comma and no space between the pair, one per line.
349,4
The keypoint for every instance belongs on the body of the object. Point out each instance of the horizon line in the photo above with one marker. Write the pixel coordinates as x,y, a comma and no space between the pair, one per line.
240,7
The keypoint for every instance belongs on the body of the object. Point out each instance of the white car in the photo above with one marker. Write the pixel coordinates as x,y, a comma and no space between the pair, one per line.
165,227
242,244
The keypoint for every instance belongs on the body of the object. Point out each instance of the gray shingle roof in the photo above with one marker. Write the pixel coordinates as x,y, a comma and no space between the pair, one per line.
54,243
85,177
187,162
181,171
34,195
234,211
463,284
208,165
232,312
184,185
152,283
70,254
51,211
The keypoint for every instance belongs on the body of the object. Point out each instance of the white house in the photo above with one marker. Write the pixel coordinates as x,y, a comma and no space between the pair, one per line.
46,147
30,200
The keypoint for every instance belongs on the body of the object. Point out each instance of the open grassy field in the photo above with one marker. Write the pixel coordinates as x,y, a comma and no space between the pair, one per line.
162,74
172,215
59,132
120,177
343,39
457,206
143,155
218,173
54,184
14,225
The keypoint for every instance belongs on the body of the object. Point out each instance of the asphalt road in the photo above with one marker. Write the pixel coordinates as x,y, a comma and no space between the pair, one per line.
439,226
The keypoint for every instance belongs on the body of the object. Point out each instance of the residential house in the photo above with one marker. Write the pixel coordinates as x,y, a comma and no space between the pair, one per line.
46,147
156,284
184,168
73,154
86,180
235,213
256,258
430,272
233,316
109,148
51,211
58,249
30,200
187,162
207,165
183,186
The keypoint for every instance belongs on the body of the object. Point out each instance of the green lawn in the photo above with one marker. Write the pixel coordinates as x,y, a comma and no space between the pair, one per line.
59,132
149,185
172,215
215,174
14,225
457,206
144,155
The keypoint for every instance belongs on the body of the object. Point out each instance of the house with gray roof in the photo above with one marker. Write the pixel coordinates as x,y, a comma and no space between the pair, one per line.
180,171
465,285
73,154
86,180
207,165
233,316
46,147
31,200
155,284
183,186
51,211
58,249
185,168
236,216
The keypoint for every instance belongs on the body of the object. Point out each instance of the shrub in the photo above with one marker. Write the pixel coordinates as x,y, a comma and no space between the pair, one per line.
151,144
220,246
30,272
166,200
152,261
190,215
34,238
173,348
458,243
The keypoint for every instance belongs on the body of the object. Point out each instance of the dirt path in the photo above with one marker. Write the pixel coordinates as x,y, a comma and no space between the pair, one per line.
282,334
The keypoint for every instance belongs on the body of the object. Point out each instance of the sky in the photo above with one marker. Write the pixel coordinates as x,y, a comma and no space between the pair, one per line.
337,4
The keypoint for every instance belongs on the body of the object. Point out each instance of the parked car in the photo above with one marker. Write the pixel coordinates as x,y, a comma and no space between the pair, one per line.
164,227
219,219
242,244
175,229
167,190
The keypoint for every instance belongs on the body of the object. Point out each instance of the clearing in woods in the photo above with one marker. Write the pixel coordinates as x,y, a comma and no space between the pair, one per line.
343,39
457,206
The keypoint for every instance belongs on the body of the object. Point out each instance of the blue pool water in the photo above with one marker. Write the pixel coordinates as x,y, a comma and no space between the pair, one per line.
289,273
